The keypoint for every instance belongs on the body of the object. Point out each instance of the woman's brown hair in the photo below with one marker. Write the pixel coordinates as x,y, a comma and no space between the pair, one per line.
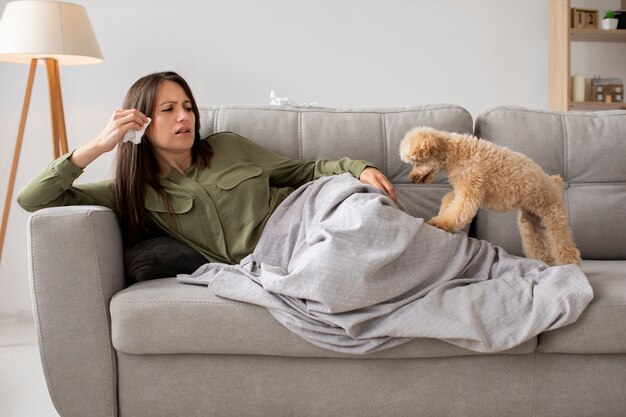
136,165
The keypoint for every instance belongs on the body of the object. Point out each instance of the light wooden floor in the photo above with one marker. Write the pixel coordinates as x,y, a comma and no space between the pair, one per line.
23,391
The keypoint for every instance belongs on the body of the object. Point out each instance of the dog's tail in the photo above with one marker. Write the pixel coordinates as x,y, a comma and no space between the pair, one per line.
557,180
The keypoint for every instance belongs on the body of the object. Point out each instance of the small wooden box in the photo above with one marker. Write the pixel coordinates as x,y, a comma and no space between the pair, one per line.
584,18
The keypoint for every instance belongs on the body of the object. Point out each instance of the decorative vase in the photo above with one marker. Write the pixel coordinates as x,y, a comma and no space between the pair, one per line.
609,23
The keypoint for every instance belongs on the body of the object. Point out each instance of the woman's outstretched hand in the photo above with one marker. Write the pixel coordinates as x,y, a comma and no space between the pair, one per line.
374,177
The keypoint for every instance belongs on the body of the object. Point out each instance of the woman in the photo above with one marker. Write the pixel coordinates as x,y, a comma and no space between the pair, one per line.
214,194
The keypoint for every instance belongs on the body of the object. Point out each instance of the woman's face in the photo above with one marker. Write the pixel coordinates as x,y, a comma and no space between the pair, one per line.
173,121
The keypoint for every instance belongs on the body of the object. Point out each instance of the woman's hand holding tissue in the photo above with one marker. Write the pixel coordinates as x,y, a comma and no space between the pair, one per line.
113,133
374,177
121,122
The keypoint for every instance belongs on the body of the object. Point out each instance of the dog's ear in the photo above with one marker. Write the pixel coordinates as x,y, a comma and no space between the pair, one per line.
425,146
419,145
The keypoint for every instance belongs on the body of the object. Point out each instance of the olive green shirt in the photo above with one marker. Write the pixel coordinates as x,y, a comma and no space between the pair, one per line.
220,210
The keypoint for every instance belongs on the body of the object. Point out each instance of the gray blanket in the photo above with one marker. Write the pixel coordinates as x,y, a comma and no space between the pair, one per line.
340,265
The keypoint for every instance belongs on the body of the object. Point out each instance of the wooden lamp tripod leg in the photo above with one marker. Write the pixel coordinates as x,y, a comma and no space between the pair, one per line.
16,153
59,136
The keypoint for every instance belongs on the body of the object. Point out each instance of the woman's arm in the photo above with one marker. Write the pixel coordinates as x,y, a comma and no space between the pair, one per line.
120,122
54,185
293,173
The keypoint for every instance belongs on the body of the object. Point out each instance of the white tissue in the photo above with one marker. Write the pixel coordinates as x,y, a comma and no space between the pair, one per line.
286,102
135,136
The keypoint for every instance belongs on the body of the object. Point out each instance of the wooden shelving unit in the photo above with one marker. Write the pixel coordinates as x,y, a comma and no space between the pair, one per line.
561,36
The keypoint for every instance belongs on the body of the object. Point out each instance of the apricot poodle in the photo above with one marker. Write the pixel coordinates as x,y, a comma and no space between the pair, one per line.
485,175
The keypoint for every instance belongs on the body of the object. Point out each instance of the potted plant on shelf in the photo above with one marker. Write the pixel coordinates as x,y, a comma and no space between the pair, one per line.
610,20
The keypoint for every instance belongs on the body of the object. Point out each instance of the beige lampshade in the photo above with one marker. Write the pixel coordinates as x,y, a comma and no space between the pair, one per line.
47,29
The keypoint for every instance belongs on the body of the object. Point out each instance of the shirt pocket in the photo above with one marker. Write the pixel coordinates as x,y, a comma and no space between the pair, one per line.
180,203
184,221
243,195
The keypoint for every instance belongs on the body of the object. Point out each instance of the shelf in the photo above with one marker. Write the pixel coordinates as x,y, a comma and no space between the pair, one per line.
595,106
598,35
562,36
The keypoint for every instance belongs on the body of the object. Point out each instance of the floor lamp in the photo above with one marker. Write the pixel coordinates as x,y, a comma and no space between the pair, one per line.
53,33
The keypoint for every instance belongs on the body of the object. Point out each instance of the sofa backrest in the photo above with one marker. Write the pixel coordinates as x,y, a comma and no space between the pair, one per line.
588,150
310,133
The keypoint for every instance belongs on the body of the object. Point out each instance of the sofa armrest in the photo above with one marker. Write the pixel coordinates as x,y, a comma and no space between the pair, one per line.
75,266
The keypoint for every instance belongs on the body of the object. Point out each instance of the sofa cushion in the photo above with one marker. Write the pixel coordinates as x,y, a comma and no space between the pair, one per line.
601,328
587,149
373,135
163,316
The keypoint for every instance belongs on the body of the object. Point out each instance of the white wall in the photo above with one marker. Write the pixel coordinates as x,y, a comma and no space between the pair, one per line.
338,53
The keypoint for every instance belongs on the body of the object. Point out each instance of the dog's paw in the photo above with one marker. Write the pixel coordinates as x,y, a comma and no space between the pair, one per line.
442,224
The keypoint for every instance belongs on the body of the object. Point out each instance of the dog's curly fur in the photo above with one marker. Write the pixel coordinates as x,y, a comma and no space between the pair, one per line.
483,174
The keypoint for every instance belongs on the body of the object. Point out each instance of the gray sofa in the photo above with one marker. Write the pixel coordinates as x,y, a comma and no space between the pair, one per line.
161,348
